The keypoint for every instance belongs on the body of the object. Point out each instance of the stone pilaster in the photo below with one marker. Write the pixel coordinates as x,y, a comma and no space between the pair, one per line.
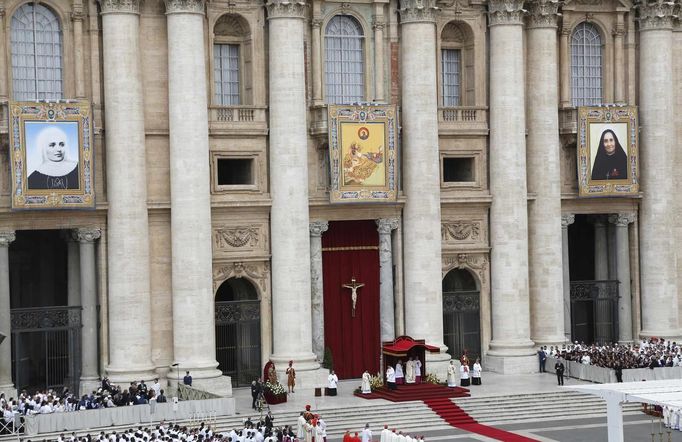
316,59
86,238
421,177
317,228
73,266
127,217
566,220
565,62
511,350
657,142
386,298
77,17
3,55
289,219
619,61
621,221
544,171
378,26
6,384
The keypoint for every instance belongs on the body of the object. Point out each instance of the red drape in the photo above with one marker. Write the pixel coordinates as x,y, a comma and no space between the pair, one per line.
350,249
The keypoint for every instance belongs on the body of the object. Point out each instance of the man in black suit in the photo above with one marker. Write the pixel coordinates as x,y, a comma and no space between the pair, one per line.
559,368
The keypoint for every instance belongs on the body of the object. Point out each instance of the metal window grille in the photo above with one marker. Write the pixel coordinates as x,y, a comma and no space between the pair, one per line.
36,42
586,65
226,74
452,79
344,61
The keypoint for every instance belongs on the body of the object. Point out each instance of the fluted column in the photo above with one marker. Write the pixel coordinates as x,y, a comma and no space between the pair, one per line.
421,184
190,177
386,299
657,261
621,221
316,59
127,218
86,238
378,26
289,219
566,220
544,176
317,228
6,384
511,350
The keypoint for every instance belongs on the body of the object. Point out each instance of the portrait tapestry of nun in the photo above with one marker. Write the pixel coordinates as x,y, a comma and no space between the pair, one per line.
57,170
611,161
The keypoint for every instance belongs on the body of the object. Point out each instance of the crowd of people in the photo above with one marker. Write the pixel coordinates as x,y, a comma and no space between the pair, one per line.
386,436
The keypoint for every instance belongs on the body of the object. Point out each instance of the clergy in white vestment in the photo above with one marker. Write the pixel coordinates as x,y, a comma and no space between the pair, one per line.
366,434
308,432
390,378
366,384
476,372
409,372
395,437
402,438
300,429
399,374
385,434
452,375
464,375
332,383
418,371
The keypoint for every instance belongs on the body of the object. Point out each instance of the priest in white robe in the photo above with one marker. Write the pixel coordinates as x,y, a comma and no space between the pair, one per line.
399,374
409,372
452,375
386,434
366,383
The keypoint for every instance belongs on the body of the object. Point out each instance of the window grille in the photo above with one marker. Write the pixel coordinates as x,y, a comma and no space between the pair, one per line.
344,61
226,74
586,65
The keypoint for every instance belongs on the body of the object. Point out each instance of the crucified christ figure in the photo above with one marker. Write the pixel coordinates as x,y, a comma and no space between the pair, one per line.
353,286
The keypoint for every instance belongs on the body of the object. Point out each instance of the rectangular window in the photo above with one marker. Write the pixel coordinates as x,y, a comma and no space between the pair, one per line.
226,74
458,170
232,171
452,78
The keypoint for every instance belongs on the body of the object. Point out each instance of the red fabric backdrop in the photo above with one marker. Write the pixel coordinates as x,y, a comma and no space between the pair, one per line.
354,341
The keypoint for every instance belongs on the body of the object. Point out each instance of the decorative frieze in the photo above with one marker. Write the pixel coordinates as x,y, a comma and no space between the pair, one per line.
256,272
87,234
239,237
461,230
286,9
543,13
656,14
418,11
505,12
120,6
7,237
476,262
184,6
623,219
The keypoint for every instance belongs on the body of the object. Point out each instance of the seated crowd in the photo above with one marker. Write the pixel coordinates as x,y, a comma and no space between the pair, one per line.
649,353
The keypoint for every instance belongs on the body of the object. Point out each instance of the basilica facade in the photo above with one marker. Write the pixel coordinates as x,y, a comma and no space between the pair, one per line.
213,245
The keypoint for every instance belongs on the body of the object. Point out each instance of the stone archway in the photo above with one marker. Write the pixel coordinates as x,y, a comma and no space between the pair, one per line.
461,314
237,329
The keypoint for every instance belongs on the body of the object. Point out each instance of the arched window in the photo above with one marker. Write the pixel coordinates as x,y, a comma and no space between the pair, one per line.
586,65
231,57
344,60
36,53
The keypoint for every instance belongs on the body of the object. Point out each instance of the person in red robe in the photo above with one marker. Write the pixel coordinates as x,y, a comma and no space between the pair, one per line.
347,437
355,438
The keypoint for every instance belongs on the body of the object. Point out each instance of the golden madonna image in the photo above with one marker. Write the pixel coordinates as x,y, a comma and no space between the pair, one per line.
51,156
608,151
362,151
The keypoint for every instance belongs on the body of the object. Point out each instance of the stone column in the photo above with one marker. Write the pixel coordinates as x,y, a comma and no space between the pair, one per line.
378,25
386,298
622,220
190,178
601,248
421,177
86,238
130,346
544,171
511,350
619,61
566,220
6,384
316,60
289,218
564,62
3,56
73,282
79,62
317,228
657,260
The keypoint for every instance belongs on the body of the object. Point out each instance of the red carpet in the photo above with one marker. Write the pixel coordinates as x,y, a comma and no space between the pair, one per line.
458,418
414,392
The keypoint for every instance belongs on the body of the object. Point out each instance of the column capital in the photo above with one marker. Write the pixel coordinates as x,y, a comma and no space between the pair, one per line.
316,23
543,13
412,11
623,219
618,30
386,225
77,12
379,23
120,6
505,12
655,14
286,8
567,220
317,228
7,237
86,234
184,6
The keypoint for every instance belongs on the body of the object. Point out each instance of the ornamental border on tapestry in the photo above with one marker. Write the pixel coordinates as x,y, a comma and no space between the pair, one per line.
33,123
593,123
363,153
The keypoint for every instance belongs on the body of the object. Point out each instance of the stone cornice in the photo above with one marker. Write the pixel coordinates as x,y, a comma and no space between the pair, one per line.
567,220
184,6
505,12
120,6
317,228
414,11
7,237
286,8
86,234
543,13
656,14
385,225
622,219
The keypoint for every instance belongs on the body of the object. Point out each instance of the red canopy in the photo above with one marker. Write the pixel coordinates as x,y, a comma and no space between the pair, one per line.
403,344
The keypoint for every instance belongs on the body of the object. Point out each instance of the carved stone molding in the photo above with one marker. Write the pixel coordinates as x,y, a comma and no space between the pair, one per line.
543,13
257,272
7,237
316,23
623,219
655,14
567,220
412,11
317,228
378,23
236,237
286,9
505,12
476,262
386,225
86,234
120,6
460,230
618,30
184,6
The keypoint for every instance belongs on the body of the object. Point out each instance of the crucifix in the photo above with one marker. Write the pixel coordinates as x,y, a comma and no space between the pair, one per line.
353,286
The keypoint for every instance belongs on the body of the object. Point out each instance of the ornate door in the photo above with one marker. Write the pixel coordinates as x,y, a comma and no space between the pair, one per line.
461,314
